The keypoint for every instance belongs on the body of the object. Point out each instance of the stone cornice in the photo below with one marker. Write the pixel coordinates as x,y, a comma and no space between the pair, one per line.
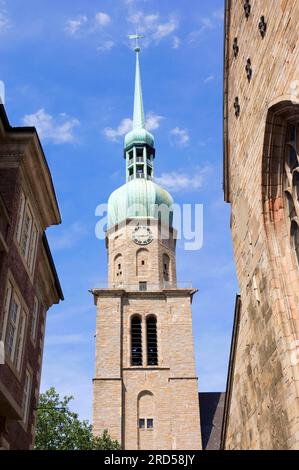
106,292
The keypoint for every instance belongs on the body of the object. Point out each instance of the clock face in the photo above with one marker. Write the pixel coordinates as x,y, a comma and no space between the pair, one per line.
142,235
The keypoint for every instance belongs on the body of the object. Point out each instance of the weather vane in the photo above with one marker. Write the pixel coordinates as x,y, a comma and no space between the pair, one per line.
136,36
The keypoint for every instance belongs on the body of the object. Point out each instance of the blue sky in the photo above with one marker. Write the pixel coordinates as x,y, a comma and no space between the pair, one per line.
68,68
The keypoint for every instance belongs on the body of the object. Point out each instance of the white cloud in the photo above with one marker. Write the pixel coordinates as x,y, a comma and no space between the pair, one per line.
176,42
176,181
4,22
152,26
152,122
181,136
165,29
105,46
73,26
58,132
210,78
219,14
179,181
67,237
146,20
123,128
102,18
207,24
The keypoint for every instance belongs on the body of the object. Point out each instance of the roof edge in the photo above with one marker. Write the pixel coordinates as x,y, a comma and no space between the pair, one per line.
231,369
53,268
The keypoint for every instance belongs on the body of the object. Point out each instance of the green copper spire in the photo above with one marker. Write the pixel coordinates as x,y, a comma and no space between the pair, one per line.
138,116
139,135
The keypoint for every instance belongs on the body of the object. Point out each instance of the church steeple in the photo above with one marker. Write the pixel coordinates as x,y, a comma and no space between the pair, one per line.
139,143
140,196
145,387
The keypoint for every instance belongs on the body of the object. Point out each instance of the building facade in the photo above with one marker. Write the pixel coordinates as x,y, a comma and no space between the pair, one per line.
261,182
28,281
145,385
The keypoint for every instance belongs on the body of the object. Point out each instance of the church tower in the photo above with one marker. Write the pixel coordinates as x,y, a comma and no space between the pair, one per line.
145,385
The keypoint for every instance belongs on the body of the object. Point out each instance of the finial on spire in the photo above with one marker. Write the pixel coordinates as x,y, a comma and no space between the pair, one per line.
136,36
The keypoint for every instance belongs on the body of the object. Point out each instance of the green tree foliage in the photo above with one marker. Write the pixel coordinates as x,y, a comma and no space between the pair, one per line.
58,428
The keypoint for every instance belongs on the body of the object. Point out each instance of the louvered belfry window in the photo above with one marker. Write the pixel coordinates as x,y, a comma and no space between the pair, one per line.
136,341
151,336
291,185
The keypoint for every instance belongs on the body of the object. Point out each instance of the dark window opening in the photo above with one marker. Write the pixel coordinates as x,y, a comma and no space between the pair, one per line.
142,262
295,239
131,171
293,158
142,286
151,337
141,423
291,185
136,342
140,170
293,133
150,423
296,185
166,273
131,155
119,266
290,205
149,171
139,152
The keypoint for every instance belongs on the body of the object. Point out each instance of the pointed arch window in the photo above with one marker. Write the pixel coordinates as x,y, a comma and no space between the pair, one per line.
136,341
151,340
291,184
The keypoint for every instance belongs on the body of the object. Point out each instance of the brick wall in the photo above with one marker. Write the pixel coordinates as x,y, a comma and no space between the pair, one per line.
18,436
264,405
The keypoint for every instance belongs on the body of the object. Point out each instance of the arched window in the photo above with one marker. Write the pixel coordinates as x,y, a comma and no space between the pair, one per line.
166,267
136,341
151,340
291,184
142,261
118,268
146,420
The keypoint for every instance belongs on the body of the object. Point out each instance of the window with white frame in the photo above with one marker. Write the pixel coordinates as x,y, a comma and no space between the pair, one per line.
34,322
13,327
27,395
27,232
